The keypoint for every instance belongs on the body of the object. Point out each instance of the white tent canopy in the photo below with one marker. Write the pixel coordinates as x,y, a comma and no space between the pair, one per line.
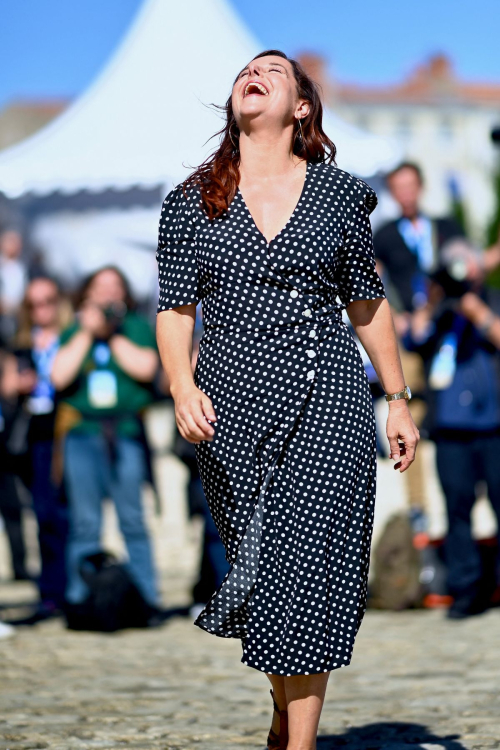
145,120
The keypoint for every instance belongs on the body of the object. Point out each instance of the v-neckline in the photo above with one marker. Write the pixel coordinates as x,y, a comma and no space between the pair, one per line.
302,193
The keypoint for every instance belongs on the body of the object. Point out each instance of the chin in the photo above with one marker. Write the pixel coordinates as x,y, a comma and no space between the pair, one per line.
254,107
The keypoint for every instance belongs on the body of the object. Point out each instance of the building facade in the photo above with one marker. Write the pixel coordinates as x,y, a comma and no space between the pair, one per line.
440,121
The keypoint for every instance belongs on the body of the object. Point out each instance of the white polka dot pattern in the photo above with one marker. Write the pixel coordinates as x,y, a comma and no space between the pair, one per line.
290,474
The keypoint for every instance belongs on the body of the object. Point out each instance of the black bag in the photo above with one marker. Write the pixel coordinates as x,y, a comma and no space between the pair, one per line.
114,601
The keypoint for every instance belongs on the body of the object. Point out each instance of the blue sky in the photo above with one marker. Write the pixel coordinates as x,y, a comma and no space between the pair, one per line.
55,48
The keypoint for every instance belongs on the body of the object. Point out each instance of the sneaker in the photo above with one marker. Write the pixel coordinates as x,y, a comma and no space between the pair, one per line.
6,631
466,607
195,610
156,616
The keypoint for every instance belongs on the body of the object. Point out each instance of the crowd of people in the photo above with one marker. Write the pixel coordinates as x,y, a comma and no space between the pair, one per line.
449,331
76,375
78,371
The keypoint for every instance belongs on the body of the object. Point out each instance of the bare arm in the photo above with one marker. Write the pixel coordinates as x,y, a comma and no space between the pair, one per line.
491,257
372,321
69,359
481,316
12,382
174,332
140,362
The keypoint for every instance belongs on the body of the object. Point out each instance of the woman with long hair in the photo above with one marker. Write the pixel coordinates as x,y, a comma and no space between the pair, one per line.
103,372
276,241
44,313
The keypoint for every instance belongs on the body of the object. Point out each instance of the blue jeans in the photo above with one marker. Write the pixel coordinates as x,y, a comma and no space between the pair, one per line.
90,477
213,566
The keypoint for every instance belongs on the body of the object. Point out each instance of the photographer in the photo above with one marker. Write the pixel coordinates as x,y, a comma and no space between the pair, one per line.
104,370
458,336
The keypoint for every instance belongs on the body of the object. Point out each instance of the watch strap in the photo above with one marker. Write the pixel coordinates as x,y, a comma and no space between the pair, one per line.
399,395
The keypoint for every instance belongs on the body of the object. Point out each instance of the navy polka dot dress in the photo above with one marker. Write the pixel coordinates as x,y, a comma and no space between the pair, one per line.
290,473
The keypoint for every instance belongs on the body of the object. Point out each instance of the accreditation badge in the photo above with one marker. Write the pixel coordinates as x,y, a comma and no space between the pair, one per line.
102,389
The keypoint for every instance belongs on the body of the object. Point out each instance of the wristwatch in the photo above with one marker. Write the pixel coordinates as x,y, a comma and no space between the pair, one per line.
405,393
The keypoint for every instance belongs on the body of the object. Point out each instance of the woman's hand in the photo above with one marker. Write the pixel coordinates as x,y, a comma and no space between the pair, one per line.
192,410
401,429
26,382
92,320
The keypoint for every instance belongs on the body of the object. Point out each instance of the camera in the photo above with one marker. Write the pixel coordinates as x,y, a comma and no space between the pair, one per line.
114,315
460,266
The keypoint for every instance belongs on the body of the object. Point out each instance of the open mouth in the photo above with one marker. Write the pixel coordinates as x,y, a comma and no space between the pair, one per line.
254,87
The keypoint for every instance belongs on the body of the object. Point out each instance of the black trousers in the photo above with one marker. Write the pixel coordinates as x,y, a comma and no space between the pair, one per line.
461,463
52,518
10,508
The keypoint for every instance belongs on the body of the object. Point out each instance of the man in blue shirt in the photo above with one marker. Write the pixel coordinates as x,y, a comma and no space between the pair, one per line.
408,248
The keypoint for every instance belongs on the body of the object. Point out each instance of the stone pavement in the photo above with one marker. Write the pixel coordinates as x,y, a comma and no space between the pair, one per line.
416,681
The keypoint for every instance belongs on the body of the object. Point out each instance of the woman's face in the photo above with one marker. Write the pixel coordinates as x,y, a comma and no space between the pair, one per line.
267,89
42,298
106,289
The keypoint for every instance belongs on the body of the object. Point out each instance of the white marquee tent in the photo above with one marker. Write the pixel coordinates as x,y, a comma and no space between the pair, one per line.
143,124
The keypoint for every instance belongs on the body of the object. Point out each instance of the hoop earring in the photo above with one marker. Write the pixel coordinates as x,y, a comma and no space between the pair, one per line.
301,132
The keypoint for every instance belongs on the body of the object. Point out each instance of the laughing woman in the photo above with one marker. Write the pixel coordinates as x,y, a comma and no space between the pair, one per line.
276,241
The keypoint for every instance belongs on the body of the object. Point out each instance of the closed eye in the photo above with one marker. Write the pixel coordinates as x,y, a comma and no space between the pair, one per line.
275,70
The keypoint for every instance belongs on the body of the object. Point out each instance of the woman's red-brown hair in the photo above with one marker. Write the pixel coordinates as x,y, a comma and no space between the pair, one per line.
219,175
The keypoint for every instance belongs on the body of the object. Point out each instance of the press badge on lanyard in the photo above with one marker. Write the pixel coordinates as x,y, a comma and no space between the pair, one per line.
102,386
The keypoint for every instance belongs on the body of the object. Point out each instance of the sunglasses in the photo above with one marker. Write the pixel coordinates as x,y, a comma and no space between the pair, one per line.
47,302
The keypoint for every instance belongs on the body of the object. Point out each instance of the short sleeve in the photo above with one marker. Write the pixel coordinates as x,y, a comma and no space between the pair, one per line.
67,334
356,274
176,254
139,331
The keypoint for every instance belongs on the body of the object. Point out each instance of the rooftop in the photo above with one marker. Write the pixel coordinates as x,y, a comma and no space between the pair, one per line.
432,82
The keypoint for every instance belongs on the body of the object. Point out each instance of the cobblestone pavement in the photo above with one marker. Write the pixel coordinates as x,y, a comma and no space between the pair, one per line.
416,681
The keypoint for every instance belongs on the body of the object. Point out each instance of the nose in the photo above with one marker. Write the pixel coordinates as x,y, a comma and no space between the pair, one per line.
254,69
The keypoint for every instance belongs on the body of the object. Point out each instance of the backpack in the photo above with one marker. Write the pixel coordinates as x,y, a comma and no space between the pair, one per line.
114,601
396,585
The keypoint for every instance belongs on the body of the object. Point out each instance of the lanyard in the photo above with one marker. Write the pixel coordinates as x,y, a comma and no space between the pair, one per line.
101,353
418,239
44,359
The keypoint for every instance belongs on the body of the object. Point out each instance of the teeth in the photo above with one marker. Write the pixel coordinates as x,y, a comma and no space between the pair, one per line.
259,86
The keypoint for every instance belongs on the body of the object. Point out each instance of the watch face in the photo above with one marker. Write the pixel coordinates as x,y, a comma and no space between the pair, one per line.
408,392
